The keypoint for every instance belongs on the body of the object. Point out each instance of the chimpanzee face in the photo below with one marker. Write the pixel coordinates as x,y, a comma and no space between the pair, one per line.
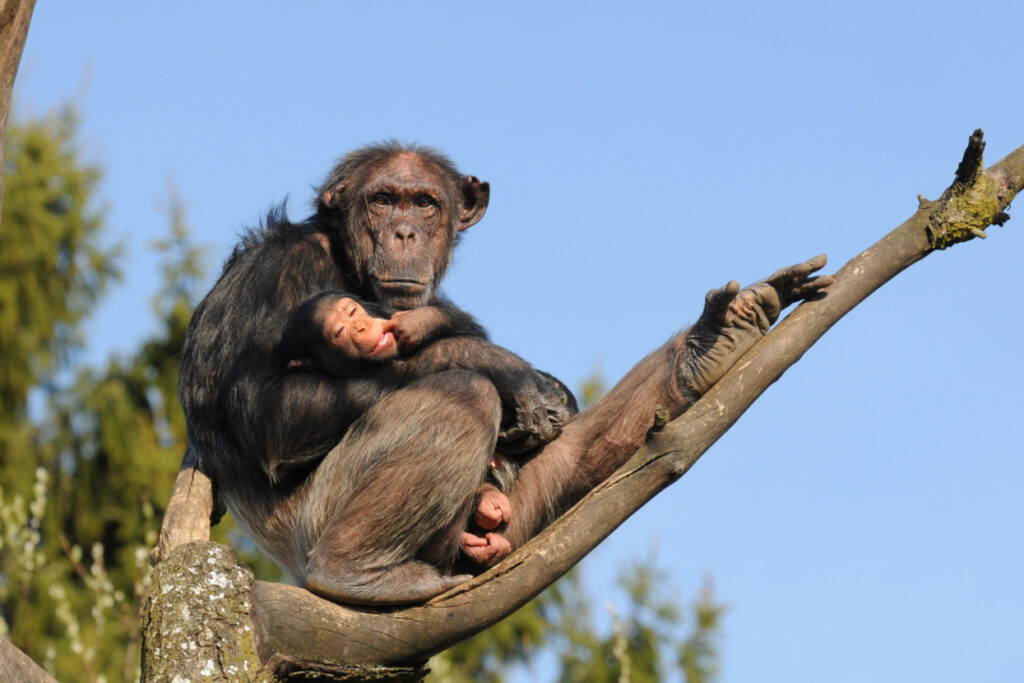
403,214
406,221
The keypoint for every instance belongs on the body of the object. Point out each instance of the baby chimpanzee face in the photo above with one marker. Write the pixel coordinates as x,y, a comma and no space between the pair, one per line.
357,334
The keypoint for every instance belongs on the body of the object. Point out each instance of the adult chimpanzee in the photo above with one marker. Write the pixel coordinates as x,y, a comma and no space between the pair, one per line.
363,492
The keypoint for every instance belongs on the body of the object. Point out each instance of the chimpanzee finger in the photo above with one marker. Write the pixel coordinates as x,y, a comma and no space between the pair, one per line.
791,275
789,282
785,278
519,437
716,301
514,440
812,286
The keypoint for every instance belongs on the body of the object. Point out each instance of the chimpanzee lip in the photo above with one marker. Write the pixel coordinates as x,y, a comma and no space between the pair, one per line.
401,283
386,340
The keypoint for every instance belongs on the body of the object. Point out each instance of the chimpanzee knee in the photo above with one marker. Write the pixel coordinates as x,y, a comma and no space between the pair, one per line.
385,497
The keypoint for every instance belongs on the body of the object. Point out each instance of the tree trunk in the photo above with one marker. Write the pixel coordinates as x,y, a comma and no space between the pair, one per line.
296,632
15,16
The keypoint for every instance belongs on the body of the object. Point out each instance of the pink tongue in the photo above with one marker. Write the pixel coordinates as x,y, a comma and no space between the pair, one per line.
384,340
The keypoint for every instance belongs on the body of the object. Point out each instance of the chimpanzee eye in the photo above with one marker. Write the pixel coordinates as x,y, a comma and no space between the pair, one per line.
424,201
381,199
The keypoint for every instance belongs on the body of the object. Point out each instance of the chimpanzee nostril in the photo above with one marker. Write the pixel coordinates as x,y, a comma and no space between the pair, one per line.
405,232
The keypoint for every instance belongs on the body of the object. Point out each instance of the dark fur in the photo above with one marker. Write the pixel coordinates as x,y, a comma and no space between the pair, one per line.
415,446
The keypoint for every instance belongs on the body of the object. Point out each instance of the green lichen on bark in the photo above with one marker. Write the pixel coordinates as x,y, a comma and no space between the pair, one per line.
196,625
969,208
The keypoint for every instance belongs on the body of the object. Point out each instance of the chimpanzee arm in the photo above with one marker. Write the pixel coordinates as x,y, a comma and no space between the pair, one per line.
535,405
420,326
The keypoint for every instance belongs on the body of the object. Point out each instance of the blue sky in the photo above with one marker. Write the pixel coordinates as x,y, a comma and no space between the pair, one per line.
863,519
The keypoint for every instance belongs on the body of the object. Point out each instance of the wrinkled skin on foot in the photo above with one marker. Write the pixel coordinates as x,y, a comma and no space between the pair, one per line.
735,319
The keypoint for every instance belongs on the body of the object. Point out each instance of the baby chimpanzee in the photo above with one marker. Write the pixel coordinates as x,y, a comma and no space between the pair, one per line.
339,334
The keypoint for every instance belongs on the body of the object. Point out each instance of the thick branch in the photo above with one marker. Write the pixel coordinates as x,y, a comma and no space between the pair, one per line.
291,620
190,511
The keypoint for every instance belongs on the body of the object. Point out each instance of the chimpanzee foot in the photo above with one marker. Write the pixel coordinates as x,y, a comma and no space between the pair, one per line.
486,550
492,508
409,582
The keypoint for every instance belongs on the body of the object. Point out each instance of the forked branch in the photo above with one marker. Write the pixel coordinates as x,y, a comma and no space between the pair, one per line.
296,631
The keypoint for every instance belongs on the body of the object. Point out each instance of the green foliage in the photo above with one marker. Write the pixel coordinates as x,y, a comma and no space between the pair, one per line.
52,266
84,484
652,640
514,641
698,654
635,648
52,269
81,483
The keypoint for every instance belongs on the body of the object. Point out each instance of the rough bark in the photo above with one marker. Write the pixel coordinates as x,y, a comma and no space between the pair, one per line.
297,632
15,16
196,621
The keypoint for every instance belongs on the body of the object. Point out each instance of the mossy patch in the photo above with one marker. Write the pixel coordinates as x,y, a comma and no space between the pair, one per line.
969,208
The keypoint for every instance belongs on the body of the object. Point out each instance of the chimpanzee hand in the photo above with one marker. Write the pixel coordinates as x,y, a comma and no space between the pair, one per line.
734,319
414,327
535,406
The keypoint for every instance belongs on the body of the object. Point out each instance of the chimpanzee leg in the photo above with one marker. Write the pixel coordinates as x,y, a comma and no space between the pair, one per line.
594,443
387,506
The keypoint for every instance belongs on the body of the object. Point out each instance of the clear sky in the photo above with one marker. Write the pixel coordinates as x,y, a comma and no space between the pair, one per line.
863,520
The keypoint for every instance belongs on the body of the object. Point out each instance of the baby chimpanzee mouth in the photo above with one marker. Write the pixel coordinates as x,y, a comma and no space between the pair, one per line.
386,340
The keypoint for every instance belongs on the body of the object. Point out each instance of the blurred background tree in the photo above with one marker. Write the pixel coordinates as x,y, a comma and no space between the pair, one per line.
88,457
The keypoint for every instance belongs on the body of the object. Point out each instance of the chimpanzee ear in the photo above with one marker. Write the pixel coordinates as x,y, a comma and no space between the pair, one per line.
331,197
475,195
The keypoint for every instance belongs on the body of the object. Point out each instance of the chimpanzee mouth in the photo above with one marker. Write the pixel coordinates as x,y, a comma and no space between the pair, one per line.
400,287
401,293
410,284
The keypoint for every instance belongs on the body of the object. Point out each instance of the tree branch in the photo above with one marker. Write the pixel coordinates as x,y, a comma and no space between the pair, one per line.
193,507
297,631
